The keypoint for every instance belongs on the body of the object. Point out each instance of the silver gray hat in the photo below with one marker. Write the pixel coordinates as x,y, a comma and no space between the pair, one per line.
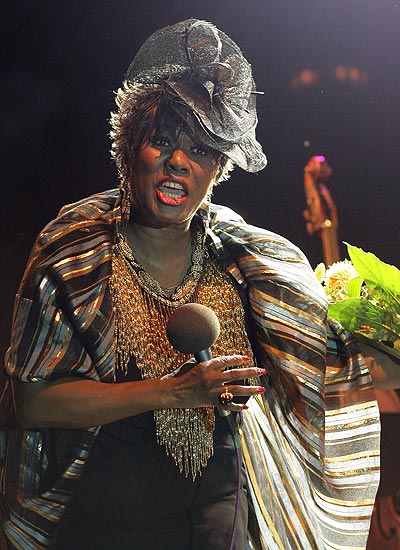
210,83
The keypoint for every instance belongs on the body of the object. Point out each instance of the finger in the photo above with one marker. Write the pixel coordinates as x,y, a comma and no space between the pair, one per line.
234,407
242,391
239,374
226,397
182,369
225,361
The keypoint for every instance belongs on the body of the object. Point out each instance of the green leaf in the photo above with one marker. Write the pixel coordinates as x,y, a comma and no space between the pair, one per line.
373,270
354,287
349,312
355,314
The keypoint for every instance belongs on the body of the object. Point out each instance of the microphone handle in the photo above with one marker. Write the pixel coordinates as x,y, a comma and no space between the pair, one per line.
203,355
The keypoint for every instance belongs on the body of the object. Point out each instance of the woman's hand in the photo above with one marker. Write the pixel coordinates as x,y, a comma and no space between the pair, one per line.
73,402
201,384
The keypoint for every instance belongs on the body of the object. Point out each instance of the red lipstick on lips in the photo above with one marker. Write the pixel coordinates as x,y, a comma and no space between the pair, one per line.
171,192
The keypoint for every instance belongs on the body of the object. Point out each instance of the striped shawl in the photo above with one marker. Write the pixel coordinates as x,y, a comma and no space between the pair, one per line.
310,444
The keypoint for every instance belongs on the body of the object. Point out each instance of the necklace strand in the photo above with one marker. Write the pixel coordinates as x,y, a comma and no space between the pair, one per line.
142,310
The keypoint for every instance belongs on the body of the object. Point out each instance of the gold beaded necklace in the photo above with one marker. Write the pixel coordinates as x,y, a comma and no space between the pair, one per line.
142,310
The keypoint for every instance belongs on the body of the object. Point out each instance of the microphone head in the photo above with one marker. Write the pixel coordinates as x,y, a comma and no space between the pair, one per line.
192,328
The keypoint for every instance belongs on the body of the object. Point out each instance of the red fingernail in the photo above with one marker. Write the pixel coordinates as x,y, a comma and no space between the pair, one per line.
245,358
244,408
260,389
261,371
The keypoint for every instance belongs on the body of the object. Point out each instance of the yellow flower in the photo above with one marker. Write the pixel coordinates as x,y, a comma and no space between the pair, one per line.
320,271
337,278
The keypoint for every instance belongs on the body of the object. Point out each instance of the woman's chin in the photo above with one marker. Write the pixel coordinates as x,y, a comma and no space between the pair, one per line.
165,217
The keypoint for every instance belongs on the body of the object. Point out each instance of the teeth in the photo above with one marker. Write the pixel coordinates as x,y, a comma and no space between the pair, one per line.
173,185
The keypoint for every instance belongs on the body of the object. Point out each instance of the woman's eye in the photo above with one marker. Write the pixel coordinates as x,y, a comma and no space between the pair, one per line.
161,141
199,150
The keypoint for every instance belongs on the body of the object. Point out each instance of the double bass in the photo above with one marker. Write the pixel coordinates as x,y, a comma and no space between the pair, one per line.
321,213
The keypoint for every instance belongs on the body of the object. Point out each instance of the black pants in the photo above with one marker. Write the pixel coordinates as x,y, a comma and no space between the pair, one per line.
131,496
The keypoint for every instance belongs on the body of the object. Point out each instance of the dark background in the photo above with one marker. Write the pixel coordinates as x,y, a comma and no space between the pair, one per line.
62,60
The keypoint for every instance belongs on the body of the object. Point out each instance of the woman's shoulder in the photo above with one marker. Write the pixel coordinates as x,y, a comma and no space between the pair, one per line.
88,215
268,259
93,207
230,226
80,231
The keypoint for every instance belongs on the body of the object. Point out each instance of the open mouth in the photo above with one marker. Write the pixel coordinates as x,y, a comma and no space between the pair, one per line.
171,193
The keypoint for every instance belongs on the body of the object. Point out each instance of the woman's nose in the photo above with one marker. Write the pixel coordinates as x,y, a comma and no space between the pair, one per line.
178,161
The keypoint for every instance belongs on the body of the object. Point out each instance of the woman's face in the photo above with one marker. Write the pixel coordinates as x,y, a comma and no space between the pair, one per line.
170,179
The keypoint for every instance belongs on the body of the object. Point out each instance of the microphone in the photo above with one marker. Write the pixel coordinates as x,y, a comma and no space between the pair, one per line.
193,329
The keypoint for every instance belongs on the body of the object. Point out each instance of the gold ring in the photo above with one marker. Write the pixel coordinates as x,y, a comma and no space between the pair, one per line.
226,397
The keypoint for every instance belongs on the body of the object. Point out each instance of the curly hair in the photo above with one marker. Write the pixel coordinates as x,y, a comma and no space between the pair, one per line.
141,108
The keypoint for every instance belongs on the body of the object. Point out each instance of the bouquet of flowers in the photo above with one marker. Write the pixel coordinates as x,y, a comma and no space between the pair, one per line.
364,296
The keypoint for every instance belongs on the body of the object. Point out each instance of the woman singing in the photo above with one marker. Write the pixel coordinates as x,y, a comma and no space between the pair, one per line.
120,441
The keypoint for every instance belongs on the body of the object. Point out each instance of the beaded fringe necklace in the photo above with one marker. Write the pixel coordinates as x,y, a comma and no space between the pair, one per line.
142,310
